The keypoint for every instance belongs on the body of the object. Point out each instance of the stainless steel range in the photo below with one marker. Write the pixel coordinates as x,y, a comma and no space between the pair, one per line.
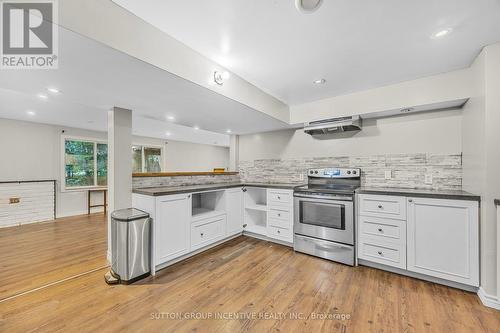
324,214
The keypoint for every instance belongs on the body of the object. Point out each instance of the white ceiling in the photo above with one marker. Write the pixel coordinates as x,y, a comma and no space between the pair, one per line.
354,45
93,78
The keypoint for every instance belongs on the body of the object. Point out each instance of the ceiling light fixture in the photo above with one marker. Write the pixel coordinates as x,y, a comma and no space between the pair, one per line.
196,128
228,131
171,118
53,90
168,133
319,81
30,113
307,6
43,96
220,77
442,33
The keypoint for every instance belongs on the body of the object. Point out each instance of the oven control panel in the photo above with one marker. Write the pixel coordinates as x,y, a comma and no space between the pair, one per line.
334,173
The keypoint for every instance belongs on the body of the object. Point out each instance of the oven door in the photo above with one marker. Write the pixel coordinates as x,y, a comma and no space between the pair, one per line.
328,219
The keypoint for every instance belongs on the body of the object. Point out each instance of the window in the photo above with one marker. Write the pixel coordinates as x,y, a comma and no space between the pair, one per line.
146,159
85,163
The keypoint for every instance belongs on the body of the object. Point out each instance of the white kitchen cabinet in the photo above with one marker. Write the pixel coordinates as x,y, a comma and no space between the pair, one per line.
234,210
172,227
280,215
442,239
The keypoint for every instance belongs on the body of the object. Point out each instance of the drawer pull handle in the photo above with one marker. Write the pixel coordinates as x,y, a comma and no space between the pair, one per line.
380,253
380,230
380,206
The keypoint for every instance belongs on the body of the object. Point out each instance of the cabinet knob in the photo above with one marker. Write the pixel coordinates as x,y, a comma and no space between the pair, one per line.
189,196
279,232
380,230
380,253
410,200
201,234
380,206
279,214
244,225
279,198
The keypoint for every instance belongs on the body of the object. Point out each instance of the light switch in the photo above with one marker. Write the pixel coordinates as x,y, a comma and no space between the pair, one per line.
388,174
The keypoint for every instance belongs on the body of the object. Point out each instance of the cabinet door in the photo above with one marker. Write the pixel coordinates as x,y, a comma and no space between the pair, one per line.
443,239
234,210
173,219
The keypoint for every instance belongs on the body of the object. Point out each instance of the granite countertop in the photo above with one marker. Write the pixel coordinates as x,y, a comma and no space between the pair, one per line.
439,194
166,190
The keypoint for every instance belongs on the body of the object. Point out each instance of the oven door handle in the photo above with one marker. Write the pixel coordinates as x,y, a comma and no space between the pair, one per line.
342,198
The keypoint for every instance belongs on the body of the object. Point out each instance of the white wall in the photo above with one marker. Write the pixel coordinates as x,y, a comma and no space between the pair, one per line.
481,158
32,151
433,132
185,156
428,90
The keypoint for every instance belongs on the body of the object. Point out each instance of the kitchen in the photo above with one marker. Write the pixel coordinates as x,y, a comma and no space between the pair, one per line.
277,190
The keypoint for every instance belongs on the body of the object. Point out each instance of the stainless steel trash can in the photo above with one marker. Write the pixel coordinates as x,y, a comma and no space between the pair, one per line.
130,245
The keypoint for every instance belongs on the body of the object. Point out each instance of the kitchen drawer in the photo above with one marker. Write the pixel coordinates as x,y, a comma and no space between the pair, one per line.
388,230
280,233
279,197
382,206
205,232
280,223
280,214
383,253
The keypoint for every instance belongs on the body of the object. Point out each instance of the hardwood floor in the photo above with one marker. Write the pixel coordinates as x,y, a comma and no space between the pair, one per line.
252,278
34,255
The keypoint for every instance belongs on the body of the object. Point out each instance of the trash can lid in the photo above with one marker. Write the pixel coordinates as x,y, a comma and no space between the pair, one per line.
129,214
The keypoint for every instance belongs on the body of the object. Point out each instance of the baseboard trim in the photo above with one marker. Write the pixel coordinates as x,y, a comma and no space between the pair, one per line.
266,238
488,300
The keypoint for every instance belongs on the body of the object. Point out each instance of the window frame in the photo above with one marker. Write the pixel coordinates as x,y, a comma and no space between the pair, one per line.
145,145
95,141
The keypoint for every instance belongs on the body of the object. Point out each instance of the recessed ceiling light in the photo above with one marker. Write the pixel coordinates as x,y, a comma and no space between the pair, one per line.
307,6
442,33
228,131
53,90
319,81
168,133
30,113
196,128
171,118
43,96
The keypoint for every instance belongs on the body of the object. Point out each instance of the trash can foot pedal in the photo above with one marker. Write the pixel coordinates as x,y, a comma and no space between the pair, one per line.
110,278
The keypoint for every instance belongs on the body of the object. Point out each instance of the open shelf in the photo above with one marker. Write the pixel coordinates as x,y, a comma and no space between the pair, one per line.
256,229
200,213
207,205
257,207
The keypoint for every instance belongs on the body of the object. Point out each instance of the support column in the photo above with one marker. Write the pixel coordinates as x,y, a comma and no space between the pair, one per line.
119,163
234,148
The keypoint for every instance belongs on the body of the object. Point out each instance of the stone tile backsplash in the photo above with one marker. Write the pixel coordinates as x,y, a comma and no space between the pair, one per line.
139,182
408,170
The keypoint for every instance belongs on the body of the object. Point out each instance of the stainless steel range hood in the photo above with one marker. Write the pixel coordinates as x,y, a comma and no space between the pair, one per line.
333,125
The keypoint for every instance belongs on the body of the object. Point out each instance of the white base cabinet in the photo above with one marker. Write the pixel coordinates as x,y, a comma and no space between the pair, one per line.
234,210
172,227
438,238
443,239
